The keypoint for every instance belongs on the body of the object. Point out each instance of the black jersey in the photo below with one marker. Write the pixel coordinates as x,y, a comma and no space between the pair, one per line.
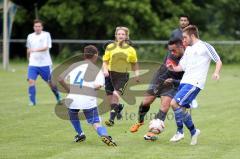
156,86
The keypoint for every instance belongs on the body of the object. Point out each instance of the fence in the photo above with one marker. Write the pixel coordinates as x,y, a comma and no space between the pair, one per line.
146,49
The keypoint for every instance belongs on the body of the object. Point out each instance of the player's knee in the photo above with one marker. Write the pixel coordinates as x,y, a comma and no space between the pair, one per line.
31,82
148,100
165,107
165,103
96,125
173,104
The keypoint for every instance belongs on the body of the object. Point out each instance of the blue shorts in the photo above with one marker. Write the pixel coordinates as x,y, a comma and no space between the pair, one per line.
44,72
186,94
91,115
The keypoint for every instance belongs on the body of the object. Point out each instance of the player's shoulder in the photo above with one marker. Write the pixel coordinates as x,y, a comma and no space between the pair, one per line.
45,33
176,30
111,45
31,35
203,46
188,48
130,48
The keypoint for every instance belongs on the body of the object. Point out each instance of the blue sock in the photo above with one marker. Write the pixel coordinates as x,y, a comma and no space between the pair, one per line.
187,119
179,119
102,131
32,94
73,114
56,93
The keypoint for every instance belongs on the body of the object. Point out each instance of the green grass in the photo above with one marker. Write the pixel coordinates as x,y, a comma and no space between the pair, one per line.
36,132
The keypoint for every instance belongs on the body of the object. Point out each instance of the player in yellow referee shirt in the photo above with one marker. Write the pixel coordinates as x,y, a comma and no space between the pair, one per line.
118,60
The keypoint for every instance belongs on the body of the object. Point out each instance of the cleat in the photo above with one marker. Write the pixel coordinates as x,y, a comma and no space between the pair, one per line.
109,123
135,127
177,137
119,113
195,137
31,104
150,136
108,140
79,138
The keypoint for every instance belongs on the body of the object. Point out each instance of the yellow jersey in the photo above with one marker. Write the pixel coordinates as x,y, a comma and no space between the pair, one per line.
120,58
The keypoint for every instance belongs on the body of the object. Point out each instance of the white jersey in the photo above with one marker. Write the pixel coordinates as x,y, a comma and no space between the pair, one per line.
195,62
84,98
41,40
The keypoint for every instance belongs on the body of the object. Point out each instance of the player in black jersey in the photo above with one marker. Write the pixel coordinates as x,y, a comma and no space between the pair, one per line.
164,85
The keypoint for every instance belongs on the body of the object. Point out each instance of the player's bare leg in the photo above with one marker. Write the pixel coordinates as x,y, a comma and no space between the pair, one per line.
165,105
55,91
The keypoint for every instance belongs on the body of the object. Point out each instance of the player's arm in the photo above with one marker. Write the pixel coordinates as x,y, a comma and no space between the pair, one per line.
47,44
64,84
133,60
169,81
100,80
215,57
28,48
105,68
135,68
28,53
42,49
106,59
216,74
63,75
97,86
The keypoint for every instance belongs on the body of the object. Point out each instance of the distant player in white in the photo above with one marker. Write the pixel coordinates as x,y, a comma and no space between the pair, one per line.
38,44
195,62
85,79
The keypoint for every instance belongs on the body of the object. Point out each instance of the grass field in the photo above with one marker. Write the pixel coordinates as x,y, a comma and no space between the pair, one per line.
36,132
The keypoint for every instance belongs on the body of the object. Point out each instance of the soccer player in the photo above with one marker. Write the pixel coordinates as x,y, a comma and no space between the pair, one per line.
118,60
85,79
164,85
195,64
183,23
38,44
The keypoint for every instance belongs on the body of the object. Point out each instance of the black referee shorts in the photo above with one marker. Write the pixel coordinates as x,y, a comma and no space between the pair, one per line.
116,81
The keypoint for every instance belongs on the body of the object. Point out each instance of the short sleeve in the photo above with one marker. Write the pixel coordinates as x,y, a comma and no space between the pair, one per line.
107,54
212,52
132,56
28,42
183,61
49,40
100,80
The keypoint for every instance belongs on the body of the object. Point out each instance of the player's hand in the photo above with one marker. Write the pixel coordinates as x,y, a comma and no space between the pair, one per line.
216,76
106,73
168,82
170,67
137,79
32,50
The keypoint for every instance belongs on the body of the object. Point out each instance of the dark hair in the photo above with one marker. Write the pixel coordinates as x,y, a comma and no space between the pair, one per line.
191,29
175,41
185,16
90,51
37,21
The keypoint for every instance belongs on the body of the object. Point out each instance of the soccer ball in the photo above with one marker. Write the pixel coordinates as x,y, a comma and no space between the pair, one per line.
156,126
